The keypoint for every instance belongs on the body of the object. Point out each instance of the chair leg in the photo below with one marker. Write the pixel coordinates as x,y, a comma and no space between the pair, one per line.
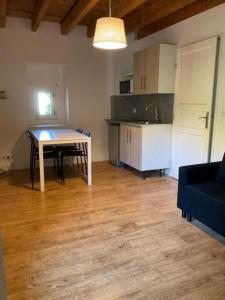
62,171
78,166
82,166
54,161
85,163
31,165
57,163
80,148
33,172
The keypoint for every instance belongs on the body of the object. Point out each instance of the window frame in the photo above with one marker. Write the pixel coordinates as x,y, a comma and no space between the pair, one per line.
38,116
47,77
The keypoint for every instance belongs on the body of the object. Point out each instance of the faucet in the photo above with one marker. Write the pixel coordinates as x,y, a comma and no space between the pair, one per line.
156,110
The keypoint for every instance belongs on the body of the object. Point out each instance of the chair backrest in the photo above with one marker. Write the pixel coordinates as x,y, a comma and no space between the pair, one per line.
30,136
80,130
87,133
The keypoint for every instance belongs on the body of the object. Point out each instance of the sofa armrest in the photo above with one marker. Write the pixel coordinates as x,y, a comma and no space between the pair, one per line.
198,173
192,175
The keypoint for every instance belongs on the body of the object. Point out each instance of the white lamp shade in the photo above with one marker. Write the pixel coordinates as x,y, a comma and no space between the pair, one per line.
110,33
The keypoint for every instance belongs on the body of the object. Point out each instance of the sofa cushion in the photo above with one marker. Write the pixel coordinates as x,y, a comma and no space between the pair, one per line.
221,172
213,189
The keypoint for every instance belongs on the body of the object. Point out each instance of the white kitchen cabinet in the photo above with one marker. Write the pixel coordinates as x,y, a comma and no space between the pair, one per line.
146,147
125,144
154,69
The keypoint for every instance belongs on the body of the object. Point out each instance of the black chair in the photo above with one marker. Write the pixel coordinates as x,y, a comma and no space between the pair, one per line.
48,153
201,194
78,150
69,147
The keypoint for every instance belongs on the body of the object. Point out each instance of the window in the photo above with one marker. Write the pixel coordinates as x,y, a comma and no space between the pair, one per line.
45,104
47,93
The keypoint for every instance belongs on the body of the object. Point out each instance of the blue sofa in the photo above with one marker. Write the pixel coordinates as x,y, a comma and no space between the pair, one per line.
202,196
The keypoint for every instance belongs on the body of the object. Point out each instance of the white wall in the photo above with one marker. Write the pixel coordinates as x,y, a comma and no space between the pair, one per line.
200,27
86,77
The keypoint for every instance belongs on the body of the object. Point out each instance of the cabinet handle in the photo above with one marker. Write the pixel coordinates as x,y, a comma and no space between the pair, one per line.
130,136
141,82
144,82
127,137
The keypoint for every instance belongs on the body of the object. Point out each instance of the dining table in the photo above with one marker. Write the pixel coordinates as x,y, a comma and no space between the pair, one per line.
46,136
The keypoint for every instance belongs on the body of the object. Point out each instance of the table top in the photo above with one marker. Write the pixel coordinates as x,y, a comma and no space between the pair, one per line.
57,135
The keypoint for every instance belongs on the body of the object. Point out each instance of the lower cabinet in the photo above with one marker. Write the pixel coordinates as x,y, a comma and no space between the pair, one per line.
146,148
130,145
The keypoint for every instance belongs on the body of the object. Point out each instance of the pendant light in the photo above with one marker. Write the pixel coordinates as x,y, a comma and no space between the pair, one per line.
110,33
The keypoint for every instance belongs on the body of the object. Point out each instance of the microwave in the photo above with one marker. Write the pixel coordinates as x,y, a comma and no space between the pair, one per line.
126,86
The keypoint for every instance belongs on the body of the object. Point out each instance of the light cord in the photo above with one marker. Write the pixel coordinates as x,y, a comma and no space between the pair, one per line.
110,9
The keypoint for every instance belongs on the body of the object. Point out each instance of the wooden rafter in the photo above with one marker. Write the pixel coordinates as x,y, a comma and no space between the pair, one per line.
125,7
78,12
155,11
178,16
3,4
120,10
39,12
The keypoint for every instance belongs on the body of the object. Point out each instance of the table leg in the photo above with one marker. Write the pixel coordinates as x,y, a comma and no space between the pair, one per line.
89,163
41,167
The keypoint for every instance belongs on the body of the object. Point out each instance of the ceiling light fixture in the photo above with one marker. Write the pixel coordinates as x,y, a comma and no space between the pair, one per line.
110,33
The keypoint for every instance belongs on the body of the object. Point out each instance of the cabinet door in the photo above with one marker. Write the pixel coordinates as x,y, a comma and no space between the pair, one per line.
151,79
124,144
135,137
136,73
139,71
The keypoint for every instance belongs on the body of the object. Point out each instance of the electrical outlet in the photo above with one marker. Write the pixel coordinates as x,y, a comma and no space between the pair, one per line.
6,162
7,157
134,110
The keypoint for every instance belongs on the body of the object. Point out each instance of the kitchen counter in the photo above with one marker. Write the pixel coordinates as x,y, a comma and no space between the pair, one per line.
134,123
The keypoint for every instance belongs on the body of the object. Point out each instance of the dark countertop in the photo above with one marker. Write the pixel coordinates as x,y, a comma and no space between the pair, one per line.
134,123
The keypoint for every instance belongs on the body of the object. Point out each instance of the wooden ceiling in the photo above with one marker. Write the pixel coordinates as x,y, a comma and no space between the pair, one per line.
143,17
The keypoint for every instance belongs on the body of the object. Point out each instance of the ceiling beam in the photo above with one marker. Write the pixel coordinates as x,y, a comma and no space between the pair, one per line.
77,13
39,13
125,7
119,11
178,16
156,10
3,4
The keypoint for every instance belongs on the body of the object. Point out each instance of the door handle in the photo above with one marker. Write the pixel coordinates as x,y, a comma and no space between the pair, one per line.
206,120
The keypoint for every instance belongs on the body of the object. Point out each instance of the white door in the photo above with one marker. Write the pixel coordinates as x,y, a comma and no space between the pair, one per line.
193,103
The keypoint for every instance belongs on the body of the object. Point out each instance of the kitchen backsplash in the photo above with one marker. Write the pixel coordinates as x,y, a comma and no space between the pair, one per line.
123,107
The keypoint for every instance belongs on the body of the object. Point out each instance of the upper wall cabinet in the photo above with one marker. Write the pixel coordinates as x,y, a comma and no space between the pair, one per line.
154,69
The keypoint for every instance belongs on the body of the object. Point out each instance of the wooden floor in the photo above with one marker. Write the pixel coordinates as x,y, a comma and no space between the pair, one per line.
122,238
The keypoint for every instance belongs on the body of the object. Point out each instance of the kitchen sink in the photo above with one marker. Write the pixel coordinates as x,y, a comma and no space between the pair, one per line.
143,122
